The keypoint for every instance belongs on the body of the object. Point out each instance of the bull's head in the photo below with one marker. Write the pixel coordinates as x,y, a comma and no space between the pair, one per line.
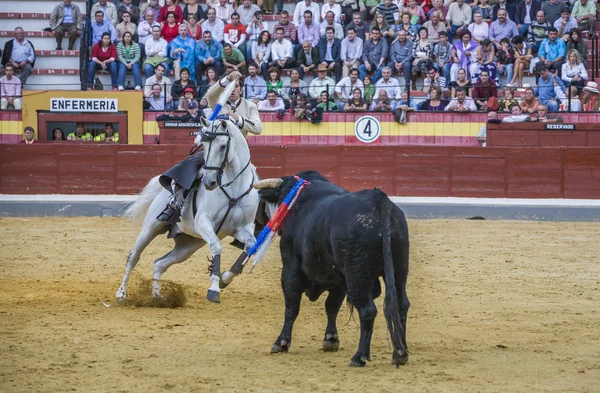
275,190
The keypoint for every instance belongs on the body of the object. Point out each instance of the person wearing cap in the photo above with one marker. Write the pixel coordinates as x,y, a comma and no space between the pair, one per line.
589,97
241,112
321,83
186,99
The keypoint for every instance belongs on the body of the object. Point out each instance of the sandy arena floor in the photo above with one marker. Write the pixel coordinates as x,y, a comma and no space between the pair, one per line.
496,306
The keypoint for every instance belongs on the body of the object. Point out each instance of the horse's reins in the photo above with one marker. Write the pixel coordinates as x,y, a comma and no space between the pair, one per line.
210,136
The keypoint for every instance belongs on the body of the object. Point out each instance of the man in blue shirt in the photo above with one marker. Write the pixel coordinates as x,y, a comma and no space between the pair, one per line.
100,26
19,53
552,51
209,53
545,90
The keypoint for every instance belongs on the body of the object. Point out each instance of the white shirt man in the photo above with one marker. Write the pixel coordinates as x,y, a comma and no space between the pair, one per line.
303,6
338,30
281,48
330,5
389,84
162,80
321,83
214,25
351,51
144,30
346,86
246,11
272,103
156,46
224,11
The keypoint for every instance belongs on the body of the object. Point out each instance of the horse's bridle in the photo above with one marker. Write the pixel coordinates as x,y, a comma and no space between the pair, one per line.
209,136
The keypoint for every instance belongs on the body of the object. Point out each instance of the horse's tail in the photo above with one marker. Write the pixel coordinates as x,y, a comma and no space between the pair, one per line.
138,209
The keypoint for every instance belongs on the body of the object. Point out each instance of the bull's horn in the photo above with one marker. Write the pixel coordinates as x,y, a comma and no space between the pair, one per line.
268,183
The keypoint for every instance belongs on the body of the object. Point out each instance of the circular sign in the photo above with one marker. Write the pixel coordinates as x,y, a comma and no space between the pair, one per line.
367,129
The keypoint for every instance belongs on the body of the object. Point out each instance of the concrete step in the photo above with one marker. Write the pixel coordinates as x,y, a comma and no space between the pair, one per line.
41,40
57,62
53,82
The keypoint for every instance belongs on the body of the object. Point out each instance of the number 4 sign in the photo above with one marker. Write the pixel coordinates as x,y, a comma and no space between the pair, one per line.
367,129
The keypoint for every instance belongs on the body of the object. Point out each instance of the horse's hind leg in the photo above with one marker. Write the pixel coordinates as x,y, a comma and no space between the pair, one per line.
185,246
148,233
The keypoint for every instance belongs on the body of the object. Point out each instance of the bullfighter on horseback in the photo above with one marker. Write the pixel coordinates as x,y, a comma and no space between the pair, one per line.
179,179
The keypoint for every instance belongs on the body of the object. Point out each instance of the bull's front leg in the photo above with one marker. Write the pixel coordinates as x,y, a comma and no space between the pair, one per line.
293,287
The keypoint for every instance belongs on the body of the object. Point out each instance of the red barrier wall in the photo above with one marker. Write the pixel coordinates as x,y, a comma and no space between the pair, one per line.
402,170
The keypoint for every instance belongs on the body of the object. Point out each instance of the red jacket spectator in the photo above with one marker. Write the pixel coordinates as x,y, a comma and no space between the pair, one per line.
169,33
101,55
162,16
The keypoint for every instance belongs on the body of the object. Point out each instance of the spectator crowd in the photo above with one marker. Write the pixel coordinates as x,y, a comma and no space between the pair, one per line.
348,55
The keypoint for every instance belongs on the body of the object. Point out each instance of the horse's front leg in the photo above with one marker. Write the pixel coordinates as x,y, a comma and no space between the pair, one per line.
205,229
245,235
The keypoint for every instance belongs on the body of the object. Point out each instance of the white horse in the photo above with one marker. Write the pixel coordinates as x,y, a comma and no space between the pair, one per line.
225,206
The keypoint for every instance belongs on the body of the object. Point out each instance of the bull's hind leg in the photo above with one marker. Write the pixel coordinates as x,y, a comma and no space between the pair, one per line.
331,342
185,246
150,230
366,312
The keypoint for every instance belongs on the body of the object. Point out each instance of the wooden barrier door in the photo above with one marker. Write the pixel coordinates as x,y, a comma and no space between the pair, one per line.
93,121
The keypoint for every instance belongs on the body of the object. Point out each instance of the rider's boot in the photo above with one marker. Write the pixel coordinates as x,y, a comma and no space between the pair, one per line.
170,214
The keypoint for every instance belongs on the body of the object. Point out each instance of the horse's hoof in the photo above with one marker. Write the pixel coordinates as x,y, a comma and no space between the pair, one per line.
331,343
284,347
213,296
121,299
401,359
356,363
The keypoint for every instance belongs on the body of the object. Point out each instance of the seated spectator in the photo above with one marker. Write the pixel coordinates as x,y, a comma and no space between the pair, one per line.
530,103
523,56
126,26
193,8
351,51
108,9
461,83
224,10
183,84
144,32
65,18
565,24
486,55
433,79
10,89
152,7
369,90
281,54
461,103
235,34
481,136
246,11
435,101
307,59
589,97
261,49
438,6
572,102
441,56
483,90
128,56
214,25
80,134
538,32
422,55
516,116
329,53
389,84
463,54
161,80
577,42
170,28
344,90
182,50
273,103
503,27
356,103
100,26
208,80
506,60
292,87
508,8
326,102
19,53
375,51
109,135
401,57
29,134
542,115
255,29
134,11
309,30
193,28
300,13
382,103
573,71
170,6
508,102
329,22
209,53
435,27
405,104
360,27
274,82
233,57
255,88
351,7
268,6
58,134
300,105
331,6
545,89
290,31
584,11
458,18
104,57
553,51
321,83
186,99
486,11
388,32
156,53
479,28
525,15
389,10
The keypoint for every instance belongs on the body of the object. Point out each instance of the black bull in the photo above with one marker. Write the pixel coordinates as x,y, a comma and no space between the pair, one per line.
342,242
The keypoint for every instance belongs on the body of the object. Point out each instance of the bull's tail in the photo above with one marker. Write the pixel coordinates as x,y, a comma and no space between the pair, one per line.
138,209
391,309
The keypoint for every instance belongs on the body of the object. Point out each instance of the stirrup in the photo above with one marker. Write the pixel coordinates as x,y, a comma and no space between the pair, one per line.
170,215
